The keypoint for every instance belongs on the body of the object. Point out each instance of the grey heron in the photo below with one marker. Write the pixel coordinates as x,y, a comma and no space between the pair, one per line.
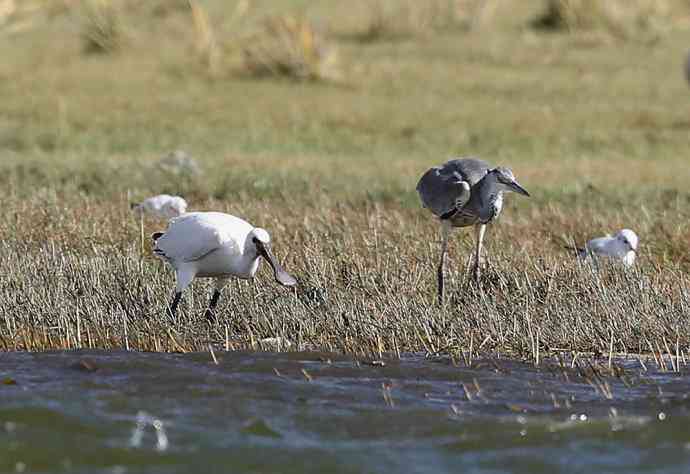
465,192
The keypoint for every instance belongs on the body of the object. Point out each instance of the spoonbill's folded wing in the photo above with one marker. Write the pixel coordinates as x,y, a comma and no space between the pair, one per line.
191,237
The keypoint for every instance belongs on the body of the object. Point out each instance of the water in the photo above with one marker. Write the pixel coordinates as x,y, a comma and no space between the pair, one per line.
122,412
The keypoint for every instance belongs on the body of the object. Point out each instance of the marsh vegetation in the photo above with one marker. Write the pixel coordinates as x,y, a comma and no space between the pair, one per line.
307,120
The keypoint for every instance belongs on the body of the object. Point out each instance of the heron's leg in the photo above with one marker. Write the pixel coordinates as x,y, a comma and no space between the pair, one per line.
210,312
445,233
480,229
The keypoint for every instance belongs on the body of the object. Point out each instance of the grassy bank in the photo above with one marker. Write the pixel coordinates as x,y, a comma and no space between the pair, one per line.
594,124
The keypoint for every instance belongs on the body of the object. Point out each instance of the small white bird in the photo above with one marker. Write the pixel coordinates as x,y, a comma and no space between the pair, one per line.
163,206
621,246
214,245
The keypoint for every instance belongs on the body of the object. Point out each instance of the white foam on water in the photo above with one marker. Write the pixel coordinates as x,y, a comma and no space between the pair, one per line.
144,420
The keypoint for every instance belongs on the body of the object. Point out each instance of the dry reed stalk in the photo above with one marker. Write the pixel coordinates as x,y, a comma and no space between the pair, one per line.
674,362
206,45
213,354
307,375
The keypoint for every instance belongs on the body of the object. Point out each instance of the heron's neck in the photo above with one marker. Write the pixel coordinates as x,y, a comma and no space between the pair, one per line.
487,189
487,192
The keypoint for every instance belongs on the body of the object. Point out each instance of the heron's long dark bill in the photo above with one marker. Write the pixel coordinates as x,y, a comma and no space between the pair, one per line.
519,189
281,276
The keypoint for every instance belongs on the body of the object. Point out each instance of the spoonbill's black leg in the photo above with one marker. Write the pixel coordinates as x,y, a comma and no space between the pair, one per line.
210,313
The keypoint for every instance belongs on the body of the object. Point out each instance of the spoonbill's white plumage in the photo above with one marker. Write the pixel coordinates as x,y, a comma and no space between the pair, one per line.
163,206
621,246
214,245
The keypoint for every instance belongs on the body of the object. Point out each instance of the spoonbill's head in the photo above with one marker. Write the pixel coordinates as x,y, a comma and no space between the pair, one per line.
507,182
261,241
628,238
261,236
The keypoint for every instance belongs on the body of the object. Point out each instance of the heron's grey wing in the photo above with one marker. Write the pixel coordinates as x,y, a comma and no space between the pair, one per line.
471,169
442,192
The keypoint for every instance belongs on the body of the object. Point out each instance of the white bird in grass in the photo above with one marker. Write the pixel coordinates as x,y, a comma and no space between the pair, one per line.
214,245
163,206
621,246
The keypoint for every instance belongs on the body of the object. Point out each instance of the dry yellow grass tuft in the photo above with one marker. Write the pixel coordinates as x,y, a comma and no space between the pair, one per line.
630,19
18,16
102,28
290,46
206,44
7,9
385,19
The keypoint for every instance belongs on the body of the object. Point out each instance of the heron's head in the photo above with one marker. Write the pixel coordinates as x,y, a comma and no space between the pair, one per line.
507,182
628,238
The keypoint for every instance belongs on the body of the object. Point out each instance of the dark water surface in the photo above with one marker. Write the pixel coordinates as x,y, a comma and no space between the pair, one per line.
124,412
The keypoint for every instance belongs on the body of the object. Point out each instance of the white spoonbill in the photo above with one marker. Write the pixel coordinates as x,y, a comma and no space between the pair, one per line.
163,206
214,245
621,246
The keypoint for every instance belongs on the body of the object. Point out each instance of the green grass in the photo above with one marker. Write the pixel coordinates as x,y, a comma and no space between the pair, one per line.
596,128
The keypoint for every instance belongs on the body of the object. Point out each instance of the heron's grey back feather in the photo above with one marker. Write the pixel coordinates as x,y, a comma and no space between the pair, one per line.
439,188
